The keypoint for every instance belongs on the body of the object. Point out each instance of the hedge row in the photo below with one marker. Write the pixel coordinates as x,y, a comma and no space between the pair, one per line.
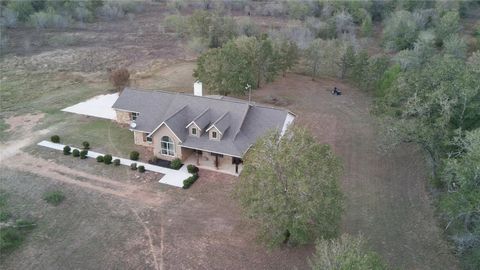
189,181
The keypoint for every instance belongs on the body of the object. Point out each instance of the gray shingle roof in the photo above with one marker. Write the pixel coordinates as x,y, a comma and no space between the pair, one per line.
240,123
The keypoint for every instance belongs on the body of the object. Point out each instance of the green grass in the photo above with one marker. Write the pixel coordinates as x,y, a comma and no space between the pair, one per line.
26,92
103,135
54,197
5,215
3,130
10,239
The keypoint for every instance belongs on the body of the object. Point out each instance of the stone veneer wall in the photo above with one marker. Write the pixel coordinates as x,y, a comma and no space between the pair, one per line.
123,117
139,139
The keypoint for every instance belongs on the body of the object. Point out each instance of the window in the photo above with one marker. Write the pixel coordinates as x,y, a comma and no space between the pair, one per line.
194,131
214,134
149,139
167,146
134,116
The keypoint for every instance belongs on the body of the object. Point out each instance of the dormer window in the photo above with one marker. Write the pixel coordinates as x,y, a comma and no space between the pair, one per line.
194,131
214,134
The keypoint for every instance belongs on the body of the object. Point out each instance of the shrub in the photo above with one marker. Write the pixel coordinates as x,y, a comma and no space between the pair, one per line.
5,215
133,166
83,154
116,162
66,150
192,169
10,238
54,197
100,159
55,139
141,168
76,153
134,155
189,181
25,224
107,159
176,164
120,78
86,145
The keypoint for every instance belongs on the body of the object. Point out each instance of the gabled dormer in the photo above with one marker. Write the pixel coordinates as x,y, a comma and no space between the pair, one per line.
219,127
199,124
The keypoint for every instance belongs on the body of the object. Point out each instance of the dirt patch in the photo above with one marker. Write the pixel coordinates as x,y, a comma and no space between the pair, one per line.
386,199
23,123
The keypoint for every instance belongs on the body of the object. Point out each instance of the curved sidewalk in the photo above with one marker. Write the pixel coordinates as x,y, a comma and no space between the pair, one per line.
171,177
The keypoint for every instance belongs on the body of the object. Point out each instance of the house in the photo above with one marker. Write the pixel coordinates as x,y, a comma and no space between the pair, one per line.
210,131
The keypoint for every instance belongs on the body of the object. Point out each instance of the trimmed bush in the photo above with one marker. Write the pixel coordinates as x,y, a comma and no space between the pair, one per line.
67,150
133,166
83,154
54,197
134,155
86,145
107,159
189,181
116,162
141,168
176,164
55,139
100,159
192,168
76,153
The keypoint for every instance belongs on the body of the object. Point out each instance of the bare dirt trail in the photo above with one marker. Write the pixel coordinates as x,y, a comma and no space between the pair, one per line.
386,198
57,172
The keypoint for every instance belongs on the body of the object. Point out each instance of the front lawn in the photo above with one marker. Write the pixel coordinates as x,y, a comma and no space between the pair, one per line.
103,135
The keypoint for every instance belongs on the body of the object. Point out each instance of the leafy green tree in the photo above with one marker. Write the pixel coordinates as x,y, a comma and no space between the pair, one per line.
261,55
290,185
313,57
447,25
345,253
224,70
288,54
400,31
427,104
367,27
23,9
462,178
456,46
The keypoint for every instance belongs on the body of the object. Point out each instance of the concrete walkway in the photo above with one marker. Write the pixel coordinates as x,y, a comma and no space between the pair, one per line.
171,177
98,106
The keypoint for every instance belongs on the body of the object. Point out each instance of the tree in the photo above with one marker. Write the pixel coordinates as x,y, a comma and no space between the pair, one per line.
288,54
429,103
448,24
345,253
289,184
460,203
23,9
400,31
314,56
367,26
456,46
120,78
261,56
224,70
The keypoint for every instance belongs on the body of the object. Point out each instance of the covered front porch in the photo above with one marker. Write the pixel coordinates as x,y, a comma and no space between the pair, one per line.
212,161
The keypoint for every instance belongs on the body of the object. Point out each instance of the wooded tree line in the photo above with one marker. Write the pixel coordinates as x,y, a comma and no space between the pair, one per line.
425,83
62,13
